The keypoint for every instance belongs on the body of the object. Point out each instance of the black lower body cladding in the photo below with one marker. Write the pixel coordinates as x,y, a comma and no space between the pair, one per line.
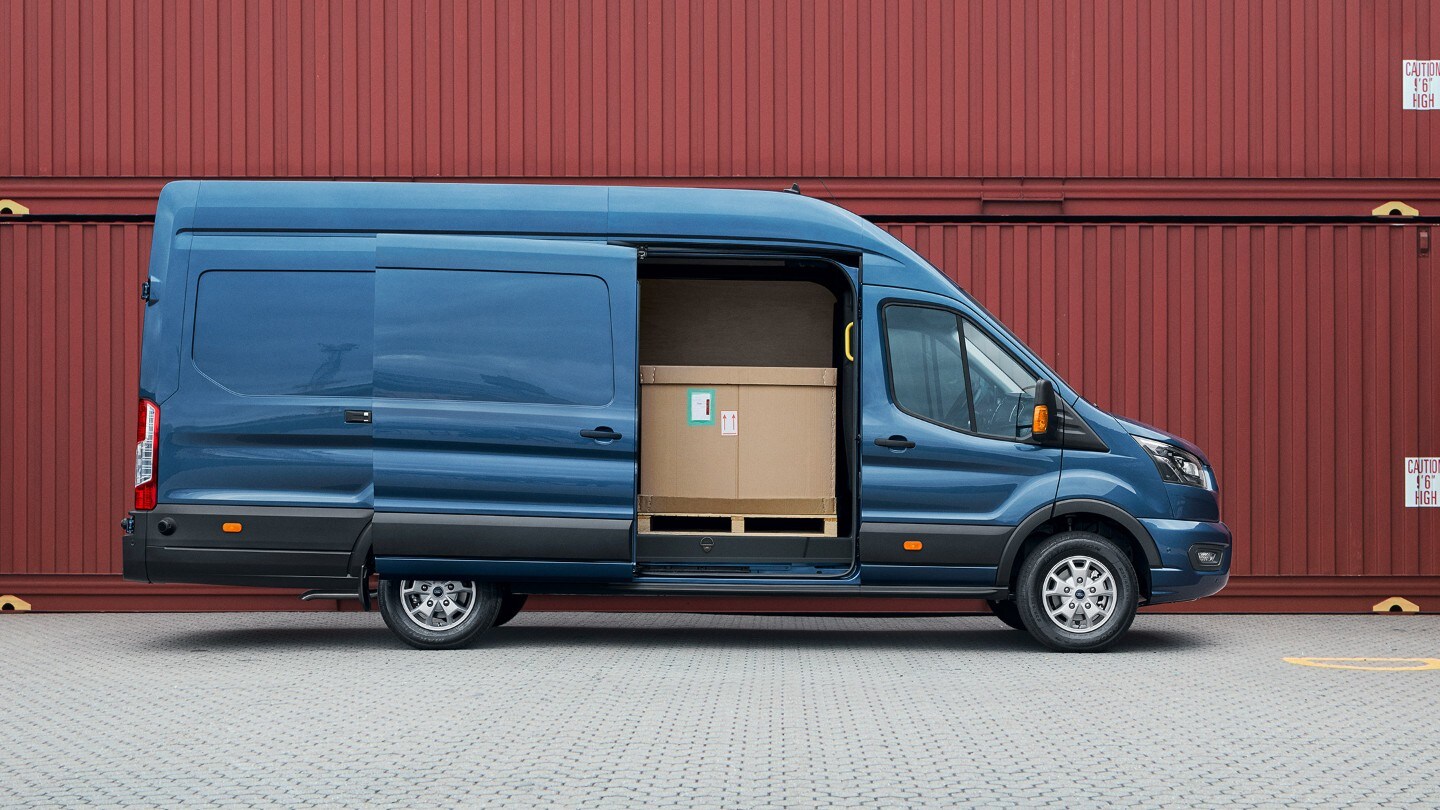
279,547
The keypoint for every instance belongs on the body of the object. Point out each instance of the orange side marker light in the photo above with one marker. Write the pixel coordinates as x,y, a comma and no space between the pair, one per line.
230,528
1040,424
913,545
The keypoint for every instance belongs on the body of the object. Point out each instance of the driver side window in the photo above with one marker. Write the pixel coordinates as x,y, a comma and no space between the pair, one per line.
947,370
927,365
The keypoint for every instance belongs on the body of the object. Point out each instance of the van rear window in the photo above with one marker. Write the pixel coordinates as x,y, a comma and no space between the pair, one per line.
305,333
491,336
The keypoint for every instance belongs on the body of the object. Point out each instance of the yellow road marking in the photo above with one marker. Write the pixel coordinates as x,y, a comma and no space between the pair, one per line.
1415,664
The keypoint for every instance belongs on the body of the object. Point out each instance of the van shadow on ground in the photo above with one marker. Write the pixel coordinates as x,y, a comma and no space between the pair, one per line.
969,635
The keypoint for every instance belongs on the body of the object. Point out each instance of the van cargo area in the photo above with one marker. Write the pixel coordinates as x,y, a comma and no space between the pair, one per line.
743,392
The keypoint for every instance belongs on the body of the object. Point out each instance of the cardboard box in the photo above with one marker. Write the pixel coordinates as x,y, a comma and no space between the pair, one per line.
732,440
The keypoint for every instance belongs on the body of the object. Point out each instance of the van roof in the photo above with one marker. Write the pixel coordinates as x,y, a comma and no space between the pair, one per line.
611,211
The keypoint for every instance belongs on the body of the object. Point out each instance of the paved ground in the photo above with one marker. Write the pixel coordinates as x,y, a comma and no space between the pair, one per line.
593,710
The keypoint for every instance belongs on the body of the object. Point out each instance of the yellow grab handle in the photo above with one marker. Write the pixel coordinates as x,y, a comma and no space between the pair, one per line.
848,354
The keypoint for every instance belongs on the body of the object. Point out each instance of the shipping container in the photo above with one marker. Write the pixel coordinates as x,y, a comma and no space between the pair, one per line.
1295,354
714,88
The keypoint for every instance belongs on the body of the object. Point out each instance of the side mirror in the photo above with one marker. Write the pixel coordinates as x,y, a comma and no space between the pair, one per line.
1044,419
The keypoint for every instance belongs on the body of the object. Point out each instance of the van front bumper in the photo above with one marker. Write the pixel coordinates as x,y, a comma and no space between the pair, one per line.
1180,579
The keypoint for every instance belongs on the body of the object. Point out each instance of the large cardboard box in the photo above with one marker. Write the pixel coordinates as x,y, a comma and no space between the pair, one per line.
733,440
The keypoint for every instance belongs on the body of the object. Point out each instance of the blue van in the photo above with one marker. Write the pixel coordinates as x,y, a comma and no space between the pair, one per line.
435,387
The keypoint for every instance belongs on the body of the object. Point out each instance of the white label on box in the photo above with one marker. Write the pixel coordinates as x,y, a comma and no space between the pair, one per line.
729,423
1422,482
1420,79
700,407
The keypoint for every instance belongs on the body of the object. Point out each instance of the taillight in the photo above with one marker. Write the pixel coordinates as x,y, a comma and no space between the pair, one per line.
145,455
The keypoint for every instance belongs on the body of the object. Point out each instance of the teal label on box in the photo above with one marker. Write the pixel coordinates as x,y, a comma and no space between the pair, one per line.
701,404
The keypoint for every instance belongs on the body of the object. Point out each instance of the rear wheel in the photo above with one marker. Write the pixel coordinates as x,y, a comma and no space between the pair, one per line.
510,606
437,614
1077,592
1006,611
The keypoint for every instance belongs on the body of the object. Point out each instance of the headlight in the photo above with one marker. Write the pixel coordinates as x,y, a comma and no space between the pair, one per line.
1176,465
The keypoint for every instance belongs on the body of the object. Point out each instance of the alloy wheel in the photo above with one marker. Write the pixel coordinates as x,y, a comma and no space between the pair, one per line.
433,604
1079,594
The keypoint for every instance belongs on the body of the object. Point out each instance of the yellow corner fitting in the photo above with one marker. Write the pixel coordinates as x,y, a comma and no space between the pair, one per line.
10,208
13,603
1396,604
1394,208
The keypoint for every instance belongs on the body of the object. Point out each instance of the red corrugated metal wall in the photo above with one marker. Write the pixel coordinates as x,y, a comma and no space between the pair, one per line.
1293,353
1302,355
69,361
653,88
1298,356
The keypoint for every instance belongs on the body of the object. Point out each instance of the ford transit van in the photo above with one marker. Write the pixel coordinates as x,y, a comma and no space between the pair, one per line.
473,393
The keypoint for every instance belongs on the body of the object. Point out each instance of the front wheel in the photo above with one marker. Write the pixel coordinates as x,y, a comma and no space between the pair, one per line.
1077,592
438,614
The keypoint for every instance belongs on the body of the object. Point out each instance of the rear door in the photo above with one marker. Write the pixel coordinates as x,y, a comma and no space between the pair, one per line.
262,475
505,399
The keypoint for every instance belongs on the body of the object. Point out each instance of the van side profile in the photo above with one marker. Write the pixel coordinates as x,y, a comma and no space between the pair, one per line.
473,393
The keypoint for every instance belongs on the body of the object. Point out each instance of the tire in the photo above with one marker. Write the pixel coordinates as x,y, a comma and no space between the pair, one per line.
510,606
444,620
1059,564
1007,612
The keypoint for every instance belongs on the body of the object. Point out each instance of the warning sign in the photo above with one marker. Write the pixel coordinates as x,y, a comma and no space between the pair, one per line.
1420,80
729,423
1422,482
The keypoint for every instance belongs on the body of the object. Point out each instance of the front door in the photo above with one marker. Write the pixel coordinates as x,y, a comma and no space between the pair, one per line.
948,466
505,399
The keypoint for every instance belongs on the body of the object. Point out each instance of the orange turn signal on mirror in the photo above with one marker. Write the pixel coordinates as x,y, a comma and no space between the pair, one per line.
913,545
1040,423
230,528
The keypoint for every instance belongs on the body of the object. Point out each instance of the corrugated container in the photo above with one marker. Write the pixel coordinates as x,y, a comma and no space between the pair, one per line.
653,88
1299,356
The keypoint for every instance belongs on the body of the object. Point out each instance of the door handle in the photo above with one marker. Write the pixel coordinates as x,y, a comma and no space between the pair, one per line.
601,434
896,443
357,417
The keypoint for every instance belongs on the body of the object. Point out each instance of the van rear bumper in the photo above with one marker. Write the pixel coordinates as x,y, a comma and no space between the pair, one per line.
274,547
1179,580
132,551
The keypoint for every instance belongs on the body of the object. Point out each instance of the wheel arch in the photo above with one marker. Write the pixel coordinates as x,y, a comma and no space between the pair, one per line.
1102,517
361,556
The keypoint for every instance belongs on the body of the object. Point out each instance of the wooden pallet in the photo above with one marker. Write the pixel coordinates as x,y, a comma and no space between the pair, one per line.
788,525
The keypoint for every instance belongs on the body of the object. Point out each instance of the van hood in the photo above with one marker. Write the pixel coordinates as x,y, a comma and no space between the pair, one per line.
1136,428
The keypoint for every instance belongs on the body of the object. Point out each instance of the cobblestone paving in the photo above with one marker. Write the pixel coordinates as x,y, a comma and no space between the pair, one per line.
611,710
